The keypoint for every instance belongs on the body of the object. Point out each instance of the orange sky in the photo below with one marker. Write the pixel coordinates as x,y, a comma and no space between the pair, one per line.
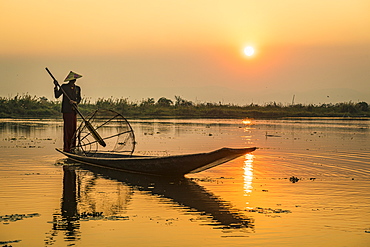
141,49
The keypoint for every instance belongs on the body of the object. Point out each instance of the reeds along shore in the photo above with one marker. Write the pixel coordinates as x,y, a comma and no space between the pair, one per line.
32,106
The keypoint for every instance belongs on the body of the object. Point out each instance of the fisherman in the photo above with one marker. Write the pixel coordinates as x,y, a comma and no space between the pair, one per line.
68,108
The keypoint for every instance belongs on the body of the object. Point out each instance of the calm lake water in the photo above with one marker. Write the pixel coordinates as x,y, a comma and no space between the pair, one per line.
46,200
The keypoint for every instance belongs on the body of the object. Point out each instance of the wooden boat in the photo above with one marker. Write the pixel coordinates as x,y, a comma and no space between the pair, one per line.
175,165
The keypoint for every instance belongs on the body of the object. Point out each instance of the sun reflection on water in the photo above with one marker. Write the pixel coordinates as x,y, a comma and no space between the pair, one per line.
247,121
248,173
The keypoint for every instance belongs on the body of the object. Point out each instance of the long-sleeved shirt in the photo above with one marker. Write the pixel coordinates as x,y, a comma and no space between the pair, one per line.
74,93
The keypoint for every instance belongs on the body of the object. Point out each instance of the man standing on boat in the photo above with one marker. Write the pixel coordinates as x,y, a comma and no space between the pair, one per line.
68,108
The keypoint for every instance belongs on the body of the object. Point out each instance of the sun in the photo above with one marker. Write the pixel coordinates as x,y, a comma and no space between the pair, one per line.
249,51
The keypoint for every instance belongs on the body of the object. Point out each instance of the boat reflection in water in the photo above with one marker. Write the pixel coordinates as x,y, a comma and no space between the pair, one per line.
183,192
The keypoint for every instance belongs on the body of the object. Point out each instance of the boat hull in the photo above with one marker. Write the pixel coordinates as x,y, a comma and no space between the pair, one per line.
176,165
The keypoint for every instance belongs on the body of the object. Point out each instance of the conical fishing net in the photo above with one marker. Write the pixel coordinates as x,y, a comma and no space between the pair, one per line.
112,127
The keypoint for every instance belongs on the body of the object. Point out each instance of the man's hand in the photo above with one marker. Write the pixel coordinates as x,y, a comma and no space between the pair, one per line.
56,83
72,102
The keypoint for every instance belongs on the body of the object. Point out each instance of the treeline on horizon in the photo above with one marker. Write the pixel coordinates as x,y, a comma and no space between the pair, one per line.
28,106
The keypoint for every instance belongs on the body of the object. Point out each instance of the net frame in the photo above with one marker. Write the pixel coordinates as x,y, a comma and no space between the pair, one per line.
122,141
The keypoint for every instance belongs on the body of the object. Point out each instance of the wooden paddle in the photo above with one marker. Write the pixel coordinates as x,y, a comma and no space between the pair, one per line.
88,125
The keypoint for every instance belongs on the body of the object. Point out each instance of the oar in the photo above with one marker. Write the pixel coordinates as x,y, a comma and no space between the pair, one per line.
88,125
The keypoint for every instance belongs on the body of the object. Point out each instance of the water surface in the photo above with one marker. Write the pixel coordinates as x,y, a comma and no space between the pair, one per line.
307,185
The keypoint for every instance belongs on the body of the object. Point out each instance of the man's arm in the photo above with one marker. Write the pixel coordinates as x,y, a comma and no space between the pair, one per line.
78,95
57,91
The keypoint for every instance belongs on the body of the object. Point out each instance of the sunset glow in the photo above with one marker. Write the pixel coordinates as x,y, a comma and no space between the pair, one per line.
236,51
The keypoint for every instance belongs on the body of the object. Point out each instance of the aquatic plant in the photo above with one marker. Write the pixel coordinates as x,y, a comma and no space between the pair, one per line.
33,106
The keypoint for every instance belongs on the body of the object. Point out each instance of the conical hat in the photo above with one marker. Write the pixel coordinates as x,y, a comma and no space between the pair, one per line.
72,76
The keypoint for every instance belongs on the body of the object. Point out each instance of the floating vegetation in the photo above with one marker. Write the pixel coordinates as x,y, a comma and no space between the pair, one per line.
268,210
9,242
85,216
33,173
26,142
6,219
206,179
88,215
61,162
293,179
153,153
116,217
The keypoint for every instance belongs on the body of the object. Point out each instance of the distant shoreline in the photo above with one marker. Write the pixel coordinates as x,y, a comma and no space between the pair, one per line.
27,106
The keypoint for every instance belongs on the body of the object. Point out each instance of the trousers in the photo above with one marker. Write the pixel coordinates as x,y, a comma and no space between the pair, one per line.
70,126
